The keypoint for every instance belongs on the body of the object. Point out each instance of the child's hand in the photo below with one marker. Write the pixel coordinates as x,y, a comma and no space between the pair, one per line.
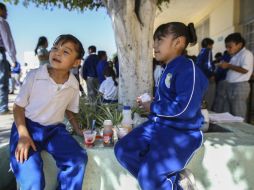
139,101
224,65
146,106
79,132
21,152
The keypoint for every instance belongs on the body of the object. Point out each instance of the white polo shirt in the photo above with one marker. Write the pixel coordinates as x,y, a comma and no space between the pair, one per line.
108,89
45,101
244,59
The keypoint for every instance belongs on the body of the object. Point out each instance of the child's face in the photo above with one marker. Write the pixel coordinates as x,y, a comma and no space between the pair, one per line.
3,13
165,48
63,56
233,47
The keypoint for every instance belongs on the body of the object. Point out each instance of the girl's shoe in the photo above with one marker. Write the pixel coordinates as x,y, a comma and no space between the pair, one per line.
187,180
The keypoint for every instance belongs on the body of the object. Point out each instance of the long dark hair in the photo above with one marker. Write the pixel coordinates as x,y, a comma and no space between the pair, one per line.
109,72
42,41
177,29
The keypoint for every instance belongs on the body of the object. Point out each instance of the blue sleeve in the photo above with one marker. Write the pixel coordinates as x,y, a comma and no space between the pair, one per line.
202,63
180,102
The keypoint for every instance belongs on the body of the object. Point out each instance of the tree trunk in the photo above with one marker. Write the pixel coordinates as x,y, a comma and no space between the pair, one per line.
133,34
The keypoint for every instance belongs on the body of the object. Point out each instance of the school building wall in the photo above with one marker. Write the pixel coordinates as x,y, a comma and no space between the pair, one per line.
222,21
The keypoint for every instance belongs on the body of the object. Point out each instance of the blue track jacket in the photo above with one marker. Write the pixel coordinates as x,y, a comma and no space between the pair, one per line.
89,67
179,95
205,62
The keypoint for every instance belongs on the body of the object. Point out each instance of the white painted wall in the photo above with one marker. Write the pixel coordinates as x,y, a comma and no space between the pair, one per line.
221,14
221,24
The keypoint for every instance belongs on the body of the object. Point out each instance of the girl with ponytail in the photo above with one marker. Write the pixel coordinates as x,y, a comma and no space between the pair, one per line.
157,151
41,50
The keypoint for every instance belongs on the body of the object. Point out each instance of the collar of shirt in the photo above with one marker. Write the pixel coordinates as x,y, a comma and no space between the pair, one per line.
109,78
44,75
239,52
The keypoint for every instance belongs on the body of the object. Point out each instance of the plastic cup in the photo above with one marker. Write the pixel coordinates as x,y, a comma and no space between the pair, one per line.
145,97
89,138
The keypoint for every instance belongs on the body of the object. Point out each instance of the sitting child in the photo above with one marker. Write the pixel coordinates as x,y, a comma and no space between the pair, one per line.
109,87
157,151
47,94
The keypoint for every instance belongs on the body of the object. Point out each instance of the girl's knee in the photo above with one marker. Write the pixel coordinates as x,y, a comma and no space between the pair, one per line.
35,181
82,157
118,150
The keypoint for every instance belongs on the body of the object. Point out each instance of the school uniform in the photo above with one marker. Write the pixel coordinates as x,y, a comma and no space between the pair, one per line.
219,105
89,73
109,90
45,103
157,150
205,63
102,64
238,88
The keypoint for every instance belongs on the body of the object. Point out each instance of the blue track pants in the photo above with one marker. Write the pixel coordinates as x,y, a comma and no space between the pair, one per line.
70,158
155,154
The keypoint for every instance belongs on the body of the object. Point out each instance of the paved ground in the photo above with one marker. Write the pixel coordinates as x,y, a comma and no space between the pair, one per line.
6,122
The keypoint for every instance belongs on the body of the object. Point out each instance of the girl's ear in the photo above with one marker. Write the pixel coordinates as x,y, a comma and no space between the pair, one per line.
77,63
180,42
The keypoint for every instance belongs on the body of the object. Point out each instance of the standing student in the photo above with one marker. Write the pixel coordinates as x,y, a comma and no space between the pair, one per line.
206,64
41,50
240,68
6,45
221,83
102,64
47,94
158,150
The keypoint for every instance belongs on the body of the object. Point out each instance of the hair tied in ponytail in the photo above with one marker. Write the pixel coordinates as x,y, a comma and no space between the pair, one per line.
192,34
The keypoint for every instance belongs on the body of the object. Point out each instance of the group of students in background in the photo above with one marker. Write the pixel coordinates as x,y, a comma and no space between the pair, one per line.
228,75
100,75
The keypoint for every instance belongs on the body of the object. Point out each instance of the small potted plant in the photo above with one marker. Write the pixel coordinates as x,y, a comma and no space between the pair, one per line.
87,119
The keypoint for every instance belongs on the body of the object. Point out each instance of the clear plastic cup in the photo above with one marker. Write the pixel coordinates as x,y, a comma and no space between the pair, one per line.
89,138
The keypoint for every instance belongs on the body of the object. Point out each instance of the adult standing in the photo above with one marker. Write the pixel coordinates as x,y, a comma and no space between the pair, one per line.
6,45
240,68
89,72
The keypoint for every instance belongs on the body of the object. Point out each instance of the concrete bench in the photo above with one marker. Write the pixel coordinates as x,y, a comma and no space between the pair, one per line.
7,179
225,161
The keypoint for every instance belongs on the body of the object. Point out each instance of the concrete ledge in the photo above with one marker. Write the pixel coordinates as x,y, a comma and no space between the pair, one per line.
7,180
225,161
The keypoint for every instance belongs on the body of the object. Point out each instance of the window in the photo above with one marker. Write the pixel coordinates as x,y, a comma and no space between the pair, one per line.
202,32
248,33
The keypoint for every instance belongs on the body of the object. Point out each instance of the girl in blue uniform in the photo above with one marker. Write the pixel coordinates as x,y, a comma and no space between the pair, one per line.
156,151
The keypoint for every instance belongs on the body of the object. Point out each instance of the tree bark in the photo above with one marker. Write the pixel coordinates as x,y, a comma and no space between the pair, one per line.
133,35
